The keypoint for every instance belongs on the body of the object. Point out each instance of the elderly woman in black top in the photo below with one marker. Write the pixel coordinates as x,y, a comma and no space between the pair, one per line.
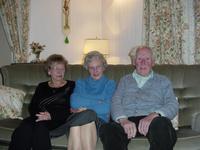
49,110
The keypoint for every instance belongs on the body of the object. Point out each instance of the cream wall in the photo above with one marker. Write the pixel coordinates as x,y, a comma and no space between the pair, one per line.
120,21
46,26
123,25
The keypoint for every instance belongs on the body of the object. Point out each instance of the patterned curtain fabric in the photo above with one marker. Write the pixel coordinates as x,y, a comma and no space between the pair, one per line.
164,28
196,5
14,15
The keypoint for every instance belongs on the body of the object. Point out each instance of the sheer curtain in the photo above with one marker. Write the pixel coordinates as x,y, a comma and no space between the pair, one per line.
170,27
14,15
122,23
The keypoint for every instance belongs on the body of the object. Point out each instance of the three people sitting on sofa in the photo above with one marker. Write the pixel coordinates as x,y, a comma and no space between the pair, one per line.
143,104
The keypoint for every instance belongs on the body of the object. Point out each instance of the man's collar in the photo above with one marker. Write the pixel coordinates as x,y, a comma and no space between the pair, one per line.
141,80
135,74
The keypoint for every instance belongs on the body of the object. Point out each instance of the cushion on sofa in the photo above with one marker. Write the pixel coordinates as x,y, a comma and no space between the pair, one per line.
175,122
11,102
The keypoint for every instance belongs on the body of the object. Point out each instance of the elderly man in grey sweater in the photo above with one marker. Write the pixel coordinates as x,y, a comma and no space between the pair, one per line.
143,104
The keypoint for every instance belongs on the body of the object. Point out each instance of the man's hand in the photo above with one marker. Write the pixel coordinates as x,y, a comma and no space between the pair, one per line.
129,127
144,123
43,116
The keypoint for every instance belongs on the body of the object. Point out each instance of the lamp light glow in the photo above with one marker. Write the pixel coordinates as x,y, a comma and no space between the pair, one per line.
100,45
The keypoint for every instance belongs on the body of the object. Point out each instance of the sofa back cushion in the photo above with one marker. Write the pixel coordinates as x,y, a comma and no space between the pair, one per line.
185,80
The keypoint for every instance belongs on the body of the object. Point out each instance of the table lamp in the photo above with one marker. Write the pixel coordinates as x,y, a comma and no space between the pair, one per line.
100,45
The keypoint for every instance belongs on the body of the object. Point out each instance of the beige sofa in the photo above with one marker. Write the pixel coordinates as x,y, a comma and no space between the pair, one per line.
185,80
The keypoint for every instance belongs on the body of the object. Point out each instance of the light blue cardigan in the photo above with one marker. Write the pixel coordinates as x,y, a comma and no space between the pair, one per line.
95,95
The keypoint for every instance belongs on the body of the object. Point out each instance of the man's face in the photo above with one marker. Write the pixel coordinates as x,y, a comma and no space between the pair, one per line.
144,62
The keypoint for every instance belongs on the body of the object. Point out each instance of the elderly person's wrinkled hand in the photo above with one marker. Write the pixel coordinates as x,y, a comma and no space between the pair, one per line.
129,127
43,116
144,123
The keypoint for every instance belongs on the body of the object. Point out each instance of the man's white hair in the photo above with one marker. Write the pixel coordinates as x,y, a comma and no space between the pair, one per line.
133,52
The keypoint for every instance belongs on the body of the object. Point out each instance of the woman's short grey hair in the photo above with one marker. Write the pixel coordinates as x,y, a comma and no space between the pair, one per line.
89,57
133,52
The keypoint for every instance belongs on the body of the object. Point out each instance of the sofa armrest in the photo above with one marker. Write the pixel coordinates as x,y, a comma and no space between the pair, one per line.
196,122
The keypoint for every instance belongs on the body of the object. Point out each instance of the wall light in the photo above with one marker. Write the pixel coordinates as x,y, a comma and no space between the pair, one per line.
100,45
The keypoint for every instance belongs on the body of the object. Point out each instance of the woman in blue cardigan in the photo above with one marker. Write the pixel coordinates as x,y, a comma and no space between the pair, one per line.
91,94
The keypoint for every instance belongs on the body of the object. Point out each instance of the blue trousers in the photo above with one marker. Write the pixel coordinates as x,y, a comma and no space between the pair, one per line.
161,134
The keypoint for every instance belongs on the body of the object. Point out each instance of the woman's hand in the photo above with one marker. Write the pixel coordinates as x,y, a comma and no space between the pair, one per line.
43,116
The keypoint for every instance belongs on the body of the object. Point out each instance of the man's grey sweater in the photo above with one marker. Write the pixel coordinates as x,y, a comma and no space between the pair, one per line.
155,96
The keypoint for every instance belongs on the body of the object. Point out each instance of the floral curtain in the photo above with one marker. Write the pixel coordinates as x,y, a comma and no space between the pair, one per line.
164,28
14,15
196,5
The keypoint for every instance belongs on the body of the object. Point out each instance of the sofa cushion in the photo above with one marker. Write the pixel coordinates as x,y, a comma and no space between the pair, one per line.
185,80
175,122
187,138
11,102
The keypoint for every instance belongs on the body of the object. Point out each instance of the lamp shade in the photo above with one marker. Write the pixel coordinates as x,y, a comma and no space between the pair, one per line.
96,45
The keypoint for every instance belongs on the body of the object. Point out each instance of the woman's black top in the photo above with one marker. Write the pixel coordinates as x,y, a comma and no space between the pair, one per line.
56,101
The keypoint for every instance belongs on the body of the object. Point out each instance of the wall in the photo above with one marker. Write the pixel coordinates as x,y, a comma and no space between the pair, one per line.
120,21
46,26
5,55
123,25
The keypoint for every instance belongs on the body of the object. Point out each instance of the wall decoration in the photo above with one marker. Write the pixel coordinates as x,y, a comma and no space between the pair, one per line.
65,19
